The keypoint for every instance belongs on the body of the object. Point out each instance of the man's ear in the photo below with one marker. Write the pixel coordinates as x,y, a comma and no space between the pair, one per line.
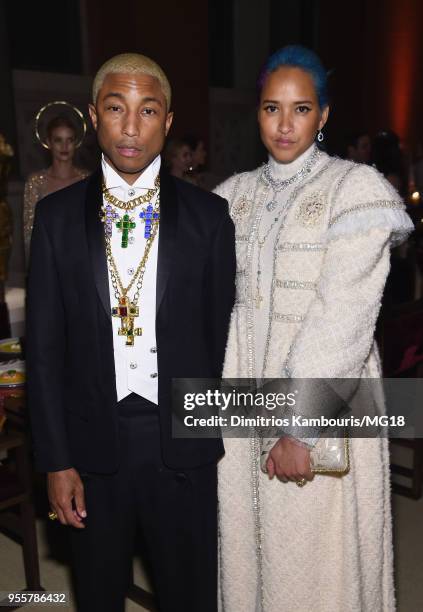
93,115
169,120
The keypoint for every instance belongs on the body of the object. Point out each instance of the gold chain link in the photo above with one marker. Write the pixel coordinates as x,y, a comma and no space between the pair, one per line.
131,204
119,289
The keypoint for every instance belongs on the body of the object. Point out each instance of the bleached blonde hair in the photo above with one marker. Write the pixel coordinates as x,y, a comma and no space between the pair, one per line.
132,63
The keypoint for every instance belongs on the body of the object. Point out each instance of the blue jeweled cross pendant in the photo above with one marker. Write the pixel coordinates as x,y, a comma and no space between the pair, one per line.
149,217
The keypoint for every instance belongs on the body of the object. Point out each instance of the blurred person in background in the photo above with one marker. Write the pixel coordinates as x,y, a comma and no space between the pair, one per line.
177,157
198,152
388,158
199,173
61,140
358,147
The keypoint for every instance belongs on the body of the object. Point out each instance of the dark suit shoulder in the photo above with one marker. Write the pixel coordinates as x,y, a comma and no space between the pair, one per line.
57,202
211,203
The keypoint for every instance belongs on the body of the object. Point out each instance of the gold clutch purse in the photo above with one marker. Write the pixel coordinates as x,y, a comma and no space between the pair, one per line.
328,456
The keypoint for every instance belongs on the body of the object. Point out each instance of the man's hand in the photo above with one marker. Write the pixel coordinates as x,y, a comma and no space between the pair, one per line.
63,487
289,460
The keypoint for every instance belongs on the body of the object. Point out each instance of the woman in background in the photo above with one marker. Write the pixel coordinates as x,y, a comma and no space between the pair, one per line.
177,158
199,173
313,235
61,140
198,152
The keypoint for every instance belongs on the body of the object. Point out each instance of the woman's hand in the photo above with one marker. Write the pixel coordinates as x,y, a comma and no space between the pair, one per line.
289,460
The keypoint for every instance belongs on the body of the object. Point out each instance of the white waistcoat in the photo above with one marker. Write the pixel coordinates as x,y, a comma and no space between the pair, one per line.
136,366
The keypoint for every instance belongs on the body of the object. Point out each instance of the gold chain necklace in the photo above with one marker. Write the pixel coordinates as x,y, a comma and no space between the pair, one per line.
131,204
127,309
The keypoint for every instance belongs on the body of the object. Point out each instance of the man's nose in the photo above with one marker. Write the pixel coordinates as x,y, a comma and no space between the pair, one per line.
131,126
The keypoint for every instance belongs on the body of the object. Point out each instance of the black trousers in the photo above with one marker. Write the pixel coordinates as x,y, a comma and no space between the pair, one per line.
174,511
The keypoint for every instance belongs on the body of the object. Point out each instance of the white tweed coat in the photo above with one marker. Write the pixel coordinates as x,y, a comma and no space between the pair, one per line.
326,547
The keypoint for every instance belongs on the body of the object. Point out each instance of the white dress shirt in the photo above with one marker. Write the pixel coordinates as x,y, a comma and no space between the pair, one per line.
136,366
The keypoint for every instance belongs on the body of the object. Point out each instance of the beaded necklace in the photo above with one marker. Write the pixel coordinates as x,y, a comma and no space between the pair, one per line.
277,186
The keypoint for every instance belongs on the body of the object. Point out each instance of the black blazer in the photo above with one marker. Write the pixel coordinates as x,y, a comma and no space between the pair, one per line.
70,361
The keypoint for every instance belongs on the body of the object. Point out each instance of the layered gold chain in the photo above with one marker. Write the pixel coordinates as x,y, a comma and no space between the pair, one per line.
137,279
131,204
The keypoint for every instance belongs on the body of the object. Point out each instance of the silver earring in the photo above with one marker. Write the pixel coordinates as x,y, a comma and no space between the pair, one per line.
320,136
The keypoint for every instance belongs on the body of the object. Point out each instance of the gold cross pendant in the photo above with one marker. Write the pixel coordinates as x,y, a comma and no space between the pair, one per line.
127,313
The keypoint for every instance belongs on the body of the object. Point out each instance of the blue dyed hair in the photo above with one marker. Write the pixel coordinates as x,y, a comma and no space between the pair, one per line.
297,56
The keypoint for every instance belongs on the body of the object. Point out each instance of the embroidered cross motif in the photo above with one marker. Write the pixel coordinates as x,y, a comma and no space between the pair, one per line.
127,313
125,225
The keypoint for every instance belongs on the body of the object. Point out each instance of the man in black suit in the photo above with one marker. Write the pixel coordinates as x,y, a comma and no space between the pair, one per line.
131,284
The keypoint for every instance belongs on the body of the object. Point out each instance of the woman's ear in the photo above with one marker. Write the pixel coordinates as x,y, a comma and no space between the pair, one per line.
324,117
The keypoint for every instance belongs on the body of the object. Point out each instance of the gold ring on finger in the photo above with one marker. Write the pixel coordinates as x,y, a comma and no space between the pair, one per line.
52,515
301,483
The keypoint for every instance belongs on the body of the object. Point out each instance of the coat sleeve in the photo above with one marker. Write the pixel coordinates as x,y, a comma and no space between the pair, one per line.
45,352
336,337
220,289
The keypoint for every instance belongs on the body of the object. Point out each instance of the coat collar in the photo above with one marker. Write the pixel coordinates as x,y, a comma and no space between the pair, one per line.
96,241
167,234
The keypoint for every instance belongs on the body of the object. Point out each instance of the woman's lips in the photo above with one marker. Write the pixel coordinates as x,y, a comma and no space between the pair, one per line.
285,143
128,151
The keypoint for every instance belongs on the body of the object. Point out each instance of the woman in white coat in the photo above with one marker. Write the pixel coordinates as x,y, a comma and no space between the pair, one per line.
313,236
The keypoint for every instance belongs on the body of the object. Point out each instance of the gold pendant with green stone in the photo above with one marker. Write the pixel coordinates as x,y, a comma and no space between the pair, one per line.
125,225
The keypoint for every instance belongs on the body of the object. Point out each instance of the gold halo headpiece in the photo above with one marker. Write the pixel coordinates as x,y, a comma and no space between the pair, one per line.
38,128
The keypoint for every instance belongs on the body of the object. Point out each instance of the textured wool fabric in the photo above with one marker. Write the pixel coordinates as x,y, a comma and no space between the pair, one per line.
327,546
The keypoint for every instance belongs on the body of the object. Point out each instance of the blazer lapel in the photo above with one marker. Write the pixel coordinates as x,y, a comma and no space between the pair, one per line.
167,233
96,242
